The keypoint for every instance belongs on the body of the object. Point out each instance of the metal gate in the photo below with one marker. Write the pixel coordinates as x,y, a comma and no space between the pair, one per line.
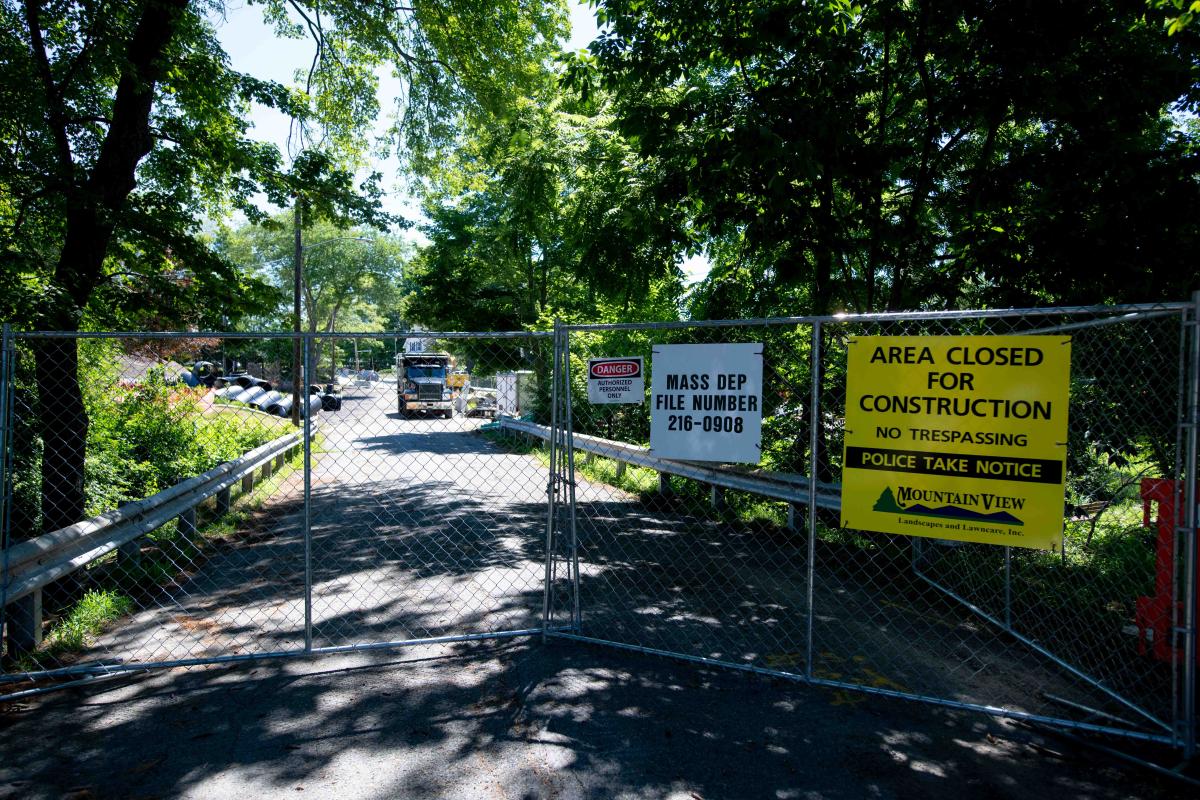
487,498
747,567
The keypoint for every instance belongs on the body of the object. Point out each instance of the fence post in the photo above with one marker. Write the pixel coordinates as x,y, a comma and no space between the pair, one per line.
224,499
307,532
551,480
574,542
814,415
5,493
1190,522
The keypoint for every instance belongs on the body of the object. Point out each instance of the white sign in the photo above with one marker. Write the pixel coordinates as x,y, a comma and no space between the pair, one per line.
415,345
706,402
616,380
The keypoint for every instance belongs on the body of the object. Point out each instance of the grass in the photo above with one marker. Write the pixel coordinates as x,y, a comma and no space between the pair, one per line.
1088,591
96,610
165,554
241,510
743,507
251,417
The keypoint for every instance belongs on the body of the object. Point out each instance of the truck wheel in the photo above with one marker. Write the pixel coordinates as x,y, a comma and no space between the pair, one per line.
449,414
403,409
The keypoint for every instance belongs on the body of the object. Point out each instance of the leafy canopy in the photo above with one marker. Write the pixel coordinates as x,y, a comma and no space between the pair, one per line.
125,127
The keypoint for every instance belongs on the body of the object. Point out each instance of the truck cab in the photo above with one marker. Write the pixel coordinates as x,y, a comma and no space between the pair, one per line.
421,384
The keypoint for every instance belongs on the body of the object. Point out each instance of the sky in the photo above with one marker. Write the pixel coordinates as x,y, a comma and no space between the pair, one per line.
253,48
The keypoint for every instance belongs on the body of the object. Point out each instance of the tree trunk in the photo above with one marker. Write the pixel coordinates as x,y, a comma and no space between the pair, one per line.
93,204
63,425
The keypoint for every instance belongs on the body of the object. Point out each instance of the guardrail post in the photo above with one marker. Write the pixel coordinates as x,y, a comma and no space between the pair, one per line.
589,459
716,496
185,525
664,483
620,470
25,624
793,513
223,502
279,461
129,555
268,469
248,482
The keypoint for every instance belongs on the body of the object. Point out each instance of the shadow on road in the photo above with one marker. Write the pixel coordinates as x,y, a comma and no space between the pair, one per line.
519,720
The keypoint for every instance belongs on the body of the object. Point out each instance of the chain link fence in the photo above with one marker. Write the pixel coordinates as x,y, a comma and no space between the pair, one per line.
424,525
746,565
167,504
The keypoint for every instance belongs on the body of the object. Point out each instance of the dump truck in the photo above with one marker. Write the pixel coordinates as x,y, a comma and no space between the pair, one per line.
421,384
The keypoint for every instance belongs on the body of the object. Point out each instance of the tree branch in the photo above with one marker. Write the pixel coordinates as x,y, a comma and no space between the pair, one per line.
314,28
89,38
129,137
54,105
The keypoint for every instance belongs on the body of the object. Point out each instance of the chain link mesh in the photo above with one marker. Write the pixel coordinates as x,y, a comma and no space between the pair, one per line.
114,423
462,486
157,510
677,566
1033,631
424,524
661,567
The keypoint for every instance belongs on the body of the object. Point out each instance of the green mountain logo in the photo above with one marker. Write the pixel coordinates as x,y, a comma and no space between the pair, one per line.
887,504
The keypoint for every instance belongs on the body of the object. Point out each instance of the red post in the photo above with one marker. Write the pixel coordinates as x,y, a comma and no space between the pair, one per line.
1154,614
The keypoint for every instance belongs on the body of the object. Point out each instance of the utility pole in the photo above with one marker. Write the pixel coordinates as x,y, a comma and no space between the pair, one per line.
298,267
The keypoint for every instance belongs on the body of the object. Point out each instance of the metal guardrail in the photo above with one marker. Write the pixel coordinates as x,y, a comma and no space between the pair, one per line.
37,562
788,487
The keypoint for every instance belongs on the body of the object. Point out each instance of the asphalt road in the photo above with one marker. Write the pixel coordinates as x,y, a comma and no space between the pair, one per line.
422,528
522,720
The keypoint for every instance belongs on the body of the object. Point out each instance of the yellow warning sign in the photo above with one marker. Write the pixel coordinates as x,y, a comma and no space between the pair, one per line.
957,437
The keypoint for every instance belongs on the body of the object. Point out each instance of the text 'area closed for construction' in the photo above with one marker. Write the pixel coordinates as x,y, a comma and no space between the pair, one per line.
957,437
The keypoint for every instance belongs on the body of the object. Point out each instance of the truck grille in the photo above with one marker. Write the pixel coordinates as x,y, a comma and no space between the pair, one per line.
429,391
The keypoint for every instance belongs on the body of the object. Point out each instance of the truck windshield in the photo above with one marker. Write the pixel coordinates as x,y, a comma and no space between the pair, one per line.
425,371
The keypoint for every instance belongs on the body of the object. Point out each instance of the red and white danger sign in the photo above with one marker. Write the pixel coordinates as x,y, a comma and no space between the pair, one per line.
616,380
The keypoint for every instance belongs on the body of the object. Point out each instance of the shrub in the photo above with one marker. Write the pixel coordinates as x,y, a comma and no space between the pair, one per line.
146,436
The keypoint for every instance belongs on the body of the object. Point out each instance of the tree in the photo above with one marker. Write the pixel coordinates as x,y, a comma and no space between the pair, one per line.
546,212
869,156
123,123
351,277
1186,10
882,155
